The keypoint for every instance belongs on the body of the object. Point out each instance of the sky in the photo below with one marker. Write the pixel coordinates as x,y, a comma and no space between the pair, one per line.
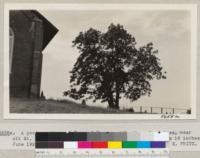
168,30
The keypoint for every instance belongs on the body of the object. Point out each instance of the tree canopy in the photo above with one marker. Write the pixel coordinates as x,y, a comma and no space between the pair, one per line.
110,67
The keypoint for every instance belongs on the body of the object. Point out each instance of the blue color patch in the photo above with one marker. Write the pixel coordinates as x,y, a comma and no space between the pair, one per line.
143,144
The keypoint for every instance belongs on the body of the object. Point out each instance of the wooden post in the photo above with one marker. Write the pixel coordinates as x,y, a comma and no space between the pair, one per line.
161,110
151,110
140,109
173,110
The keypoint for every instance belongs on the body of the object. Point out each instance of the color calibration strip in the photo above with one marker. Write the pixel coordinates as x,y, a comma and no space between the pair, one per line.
105,145
100,140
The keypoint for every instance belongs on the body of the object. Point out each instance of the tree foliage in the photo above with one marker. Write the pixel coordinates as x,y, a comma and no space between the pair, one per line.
110,67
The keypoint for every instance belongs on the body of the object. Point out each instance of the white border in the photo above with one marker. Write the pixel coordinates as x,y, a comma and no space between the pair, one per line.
190,7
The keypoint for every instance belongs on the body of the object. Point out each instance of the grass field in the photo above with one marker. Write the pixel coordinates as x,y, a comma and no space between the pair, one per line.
52,106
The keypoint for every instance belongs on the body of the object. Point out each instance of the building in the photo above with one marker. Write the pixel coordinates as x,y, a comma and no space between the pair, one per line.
30,33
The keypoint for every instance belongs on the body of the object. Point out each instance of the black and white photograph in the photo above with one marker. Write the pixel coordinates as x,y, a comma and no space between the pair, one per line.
100,61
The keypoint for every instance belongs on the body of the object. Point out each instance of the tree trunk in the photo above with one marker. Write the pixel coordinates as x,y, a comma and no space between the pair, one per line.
117,96
117,101
110,104
114,102
111,101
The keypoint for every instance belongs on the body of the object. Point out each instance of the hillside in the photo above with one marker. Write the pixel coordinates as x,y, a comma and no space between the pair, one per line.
53,106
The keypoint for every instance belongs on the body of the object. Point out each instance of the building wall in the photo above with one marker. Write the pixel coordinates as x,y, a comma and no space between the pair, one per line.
25,74
37,58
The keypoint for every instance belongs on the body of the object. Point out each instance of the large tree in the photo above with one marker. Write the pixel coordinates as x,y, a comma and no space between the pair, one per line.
110,67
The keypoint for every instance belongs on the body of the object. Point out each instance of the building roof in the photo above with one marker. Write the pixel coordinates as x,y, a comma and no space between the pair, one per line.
49,29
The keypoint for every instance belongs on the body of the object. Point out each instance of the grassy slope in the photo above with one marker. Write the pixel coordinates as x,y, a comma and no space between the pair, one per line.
51,106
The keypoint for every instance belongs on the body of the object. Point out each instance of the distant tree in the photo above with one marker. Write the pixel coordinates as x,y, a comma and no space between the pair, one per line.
110,66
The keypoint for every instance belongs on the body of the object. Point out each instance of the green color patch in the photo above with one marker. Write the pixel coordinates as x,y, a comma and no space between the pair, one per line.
129,144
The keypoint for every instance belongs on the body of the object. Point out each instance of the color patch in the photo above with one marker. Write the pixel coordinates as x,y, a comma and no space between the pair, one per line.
56,136
107,136
133,136
159,144
55,145
143,144
129,144
161,136
119,136
84,144
41,144
76,136
94,136
99,145
41,136
145,136
114,144
71,145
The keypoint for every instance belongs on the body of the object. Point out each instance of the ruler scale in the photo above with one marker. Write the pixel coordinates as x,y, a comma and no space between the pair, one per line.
103,153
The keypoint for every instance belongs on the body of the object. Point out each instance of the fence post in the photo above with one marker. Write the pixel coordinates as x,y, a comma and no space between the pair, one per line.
161,110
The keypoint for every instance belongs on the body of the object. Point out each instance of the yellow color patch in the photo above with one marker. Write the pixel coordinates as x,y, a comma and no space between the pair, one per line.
114,144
